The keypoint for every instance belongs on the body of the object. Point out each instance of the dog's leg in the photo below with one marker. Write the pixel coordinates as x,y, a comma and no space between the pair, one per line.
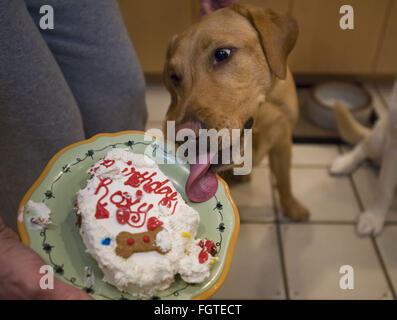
280,164
372,220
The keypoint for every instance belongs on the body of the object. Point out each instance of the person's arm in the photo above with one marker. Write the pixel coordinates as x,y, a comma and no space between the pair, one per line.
20,273
208,6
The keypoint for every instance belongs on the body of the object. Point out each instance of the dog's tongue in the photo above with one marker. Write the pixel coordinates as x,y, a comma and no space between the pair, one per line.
202,183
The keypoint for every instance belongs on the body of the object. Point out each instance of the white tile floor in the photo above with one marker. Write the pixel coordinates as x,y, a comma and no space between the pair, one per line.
276,259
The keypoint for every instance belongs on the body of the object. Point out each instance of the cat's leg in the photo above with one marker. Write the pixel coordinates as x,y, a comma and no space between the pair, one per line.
372,220
347,162
369,147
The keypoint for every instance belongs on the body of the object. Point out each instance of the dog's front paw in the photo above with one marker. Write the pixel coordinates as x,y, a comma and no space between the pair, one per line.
369,223
296,211
342,165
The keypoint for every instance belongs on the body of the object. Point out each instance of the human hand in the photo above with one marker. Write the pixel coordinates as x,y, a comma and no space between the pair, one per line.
208,6
20,275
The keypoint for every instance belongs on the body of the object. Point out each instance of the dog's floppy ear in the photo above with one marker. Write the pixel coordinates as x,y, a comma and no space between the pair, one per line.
277,34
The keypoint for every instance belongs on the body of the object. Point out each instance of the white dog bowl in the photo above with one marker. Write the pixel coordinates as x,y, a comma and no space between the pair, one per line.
322,100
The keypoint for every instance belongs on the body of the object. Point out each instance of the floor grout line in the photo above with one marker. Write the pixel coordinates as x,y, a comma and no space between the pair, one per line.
310,166
279,240
301,165
373,240
384,268
315,223
247,221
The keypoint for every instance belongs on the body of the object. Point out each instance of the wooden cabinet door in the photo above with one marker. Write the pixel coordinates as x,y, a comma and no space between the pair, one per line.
386,62
151,23
323,47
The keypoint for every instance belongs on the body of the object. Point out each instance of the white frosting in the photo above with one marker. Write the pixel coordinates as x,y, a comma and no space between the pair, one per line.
37,214
142,273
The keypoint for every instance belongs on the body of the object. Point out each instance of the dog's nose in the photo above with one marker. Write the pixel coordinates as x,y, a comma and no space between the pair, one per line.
193,125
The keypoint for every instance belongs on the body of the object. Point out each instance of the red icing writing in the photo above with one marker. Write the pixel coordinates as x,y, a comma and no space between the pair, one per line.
107,163
101,211
137,179
122,215
92,170
122,200
153,223
125,214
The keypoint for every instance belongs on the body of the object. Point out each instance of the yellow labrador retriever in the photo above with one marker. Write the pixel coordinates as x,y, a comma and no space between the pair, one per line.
230,70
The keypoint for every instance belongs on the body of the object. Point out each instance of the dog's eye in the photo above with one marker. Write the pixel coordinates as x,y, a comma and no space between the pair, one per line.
222,54
249,123
175,80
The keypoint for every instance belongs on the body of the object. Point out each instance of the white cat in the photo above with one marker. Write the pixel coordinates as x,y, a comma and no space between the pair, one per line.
379,145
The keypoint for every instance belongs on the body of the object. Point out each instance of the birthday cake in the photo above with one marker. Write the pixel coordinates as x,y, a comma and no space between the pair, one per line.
138,228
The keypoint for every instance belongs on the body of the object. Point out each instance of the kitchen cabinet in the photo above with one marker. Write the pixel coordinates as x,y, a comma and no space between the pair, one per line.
151,23
322,47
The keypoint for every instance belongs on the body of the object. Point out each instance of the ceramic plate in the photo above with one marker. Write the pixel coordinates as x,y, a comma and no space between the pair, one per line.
61,246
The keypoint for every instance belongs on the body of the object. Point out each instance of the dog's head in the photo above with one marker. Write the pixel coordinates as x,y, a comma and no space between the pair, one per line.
219,70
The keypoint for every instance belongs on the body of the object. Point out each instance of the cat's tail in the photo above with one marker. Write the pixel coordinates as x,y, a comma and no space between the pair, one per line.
349,128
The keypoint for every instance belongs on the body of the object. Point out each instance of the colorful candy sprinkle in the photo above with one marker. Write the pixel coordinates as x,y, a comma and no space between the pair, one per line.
186,235
146,238
106,241
130,241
